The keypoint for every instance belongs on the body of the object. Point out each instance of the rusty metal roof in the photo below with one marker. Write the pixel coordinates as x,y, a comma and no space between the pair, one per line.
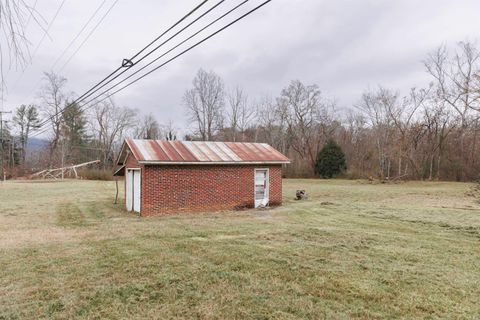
200,152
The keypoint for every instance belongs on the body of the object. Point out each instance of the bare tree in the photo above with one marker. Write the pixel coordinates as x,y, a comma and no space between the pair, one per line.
437,122
169,131
375,106
356,141
271,124
205,103
53,99
403,116
307,116
14,17
455,80
109,124
149,128
240,114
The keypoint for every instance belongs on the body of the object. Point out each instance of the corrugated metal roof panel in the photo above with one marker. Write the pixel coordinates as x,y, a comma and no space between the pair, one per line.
237,148
155,151
265,152
133,147
211,154
197,153
218,151
274,152
178,152
256,151
183,151
229,152
171,153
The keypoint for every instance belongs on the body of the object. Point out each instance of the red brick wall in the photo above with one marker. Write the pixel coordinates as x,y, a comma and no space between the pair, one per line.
187,188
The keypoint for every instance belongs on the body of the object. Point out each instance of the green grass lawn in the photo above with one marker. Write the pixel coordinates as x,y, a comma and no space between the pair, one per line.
352,250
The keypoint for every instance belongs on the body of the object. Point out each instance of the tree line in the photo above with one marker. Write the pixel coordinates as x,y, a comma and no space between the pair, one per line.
73,133
426,133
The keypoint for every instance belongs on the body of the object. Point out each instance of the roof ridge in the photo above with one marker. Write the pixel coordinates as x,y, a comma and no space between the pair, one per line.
156,151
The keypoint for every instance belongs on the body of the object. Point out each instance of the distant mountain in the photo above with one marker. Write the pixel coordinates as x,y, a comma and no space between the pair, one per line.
35,144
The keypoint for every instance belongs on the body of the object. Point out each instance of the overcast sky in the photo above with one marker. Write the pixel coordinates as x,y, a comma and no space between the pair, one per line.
344,46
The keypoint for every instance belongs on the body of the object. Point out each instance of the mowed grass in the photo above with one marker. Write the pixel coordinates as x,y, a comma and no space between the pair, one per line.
352,250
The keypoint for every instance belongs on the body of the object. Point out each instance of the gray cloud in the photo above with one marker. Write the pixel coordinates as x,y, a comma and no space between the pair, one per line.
344,46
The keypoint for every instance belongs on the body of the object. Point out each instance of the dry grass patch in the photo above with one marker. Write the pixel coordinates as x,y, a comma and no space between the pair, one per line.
353,250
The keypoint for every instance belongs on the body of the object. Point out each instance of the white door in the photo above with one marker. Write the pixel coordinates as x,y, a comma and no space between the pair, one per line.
261,187
133,190
129,189
136,190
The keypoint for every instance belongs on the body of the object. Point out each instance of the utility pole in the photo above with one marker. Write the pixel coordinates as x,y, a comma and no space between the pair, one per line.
2,172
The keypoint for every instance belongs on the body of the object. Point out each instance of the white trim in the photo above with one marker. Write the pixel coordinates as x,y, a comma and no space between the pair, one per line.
267,188
211,162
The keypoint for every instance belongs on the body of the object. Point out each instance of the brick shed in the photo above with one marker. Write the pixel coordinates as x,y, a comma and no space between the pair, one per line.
163,177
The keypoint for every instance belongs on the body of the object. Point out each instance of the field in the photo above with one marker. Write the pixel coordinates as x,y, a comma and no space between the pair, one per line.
352,250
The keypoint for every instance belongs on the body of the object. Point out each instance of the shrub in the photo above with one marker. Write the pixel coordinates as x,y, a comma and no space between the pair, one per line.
95,174
330,160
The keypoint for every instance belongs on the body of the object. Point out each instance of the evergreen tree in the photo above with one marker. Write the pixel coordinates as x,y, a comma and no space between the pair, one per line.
75,125
74,137
25,120
330,160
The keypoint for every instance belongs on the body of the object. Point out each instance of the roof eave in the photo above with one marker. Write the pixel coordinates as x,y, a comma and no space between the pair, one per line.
120,172
117,162
213,162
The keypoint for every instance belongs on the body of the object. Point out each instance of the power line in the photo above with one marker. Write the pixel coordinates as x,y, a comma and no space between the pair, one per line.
163,43
143,49
168,61
173,58
32,10
124,64
175,47
160,36
45,34
86,95
139,52
81,45
78,34
48,28
89,35
183,52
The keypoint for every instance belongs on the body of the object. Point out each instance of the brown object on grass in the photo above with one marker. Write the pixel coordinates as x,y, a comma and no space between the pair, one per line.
301,195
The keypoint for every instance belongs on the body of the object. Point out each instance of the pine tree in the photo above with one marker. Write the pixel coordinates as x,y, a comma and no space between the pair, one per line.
330,160
25,120
74,137
74,125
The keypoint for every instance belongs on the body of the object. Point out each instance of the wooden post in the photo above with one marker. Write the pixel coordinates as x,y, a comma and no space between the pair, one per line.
116,187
